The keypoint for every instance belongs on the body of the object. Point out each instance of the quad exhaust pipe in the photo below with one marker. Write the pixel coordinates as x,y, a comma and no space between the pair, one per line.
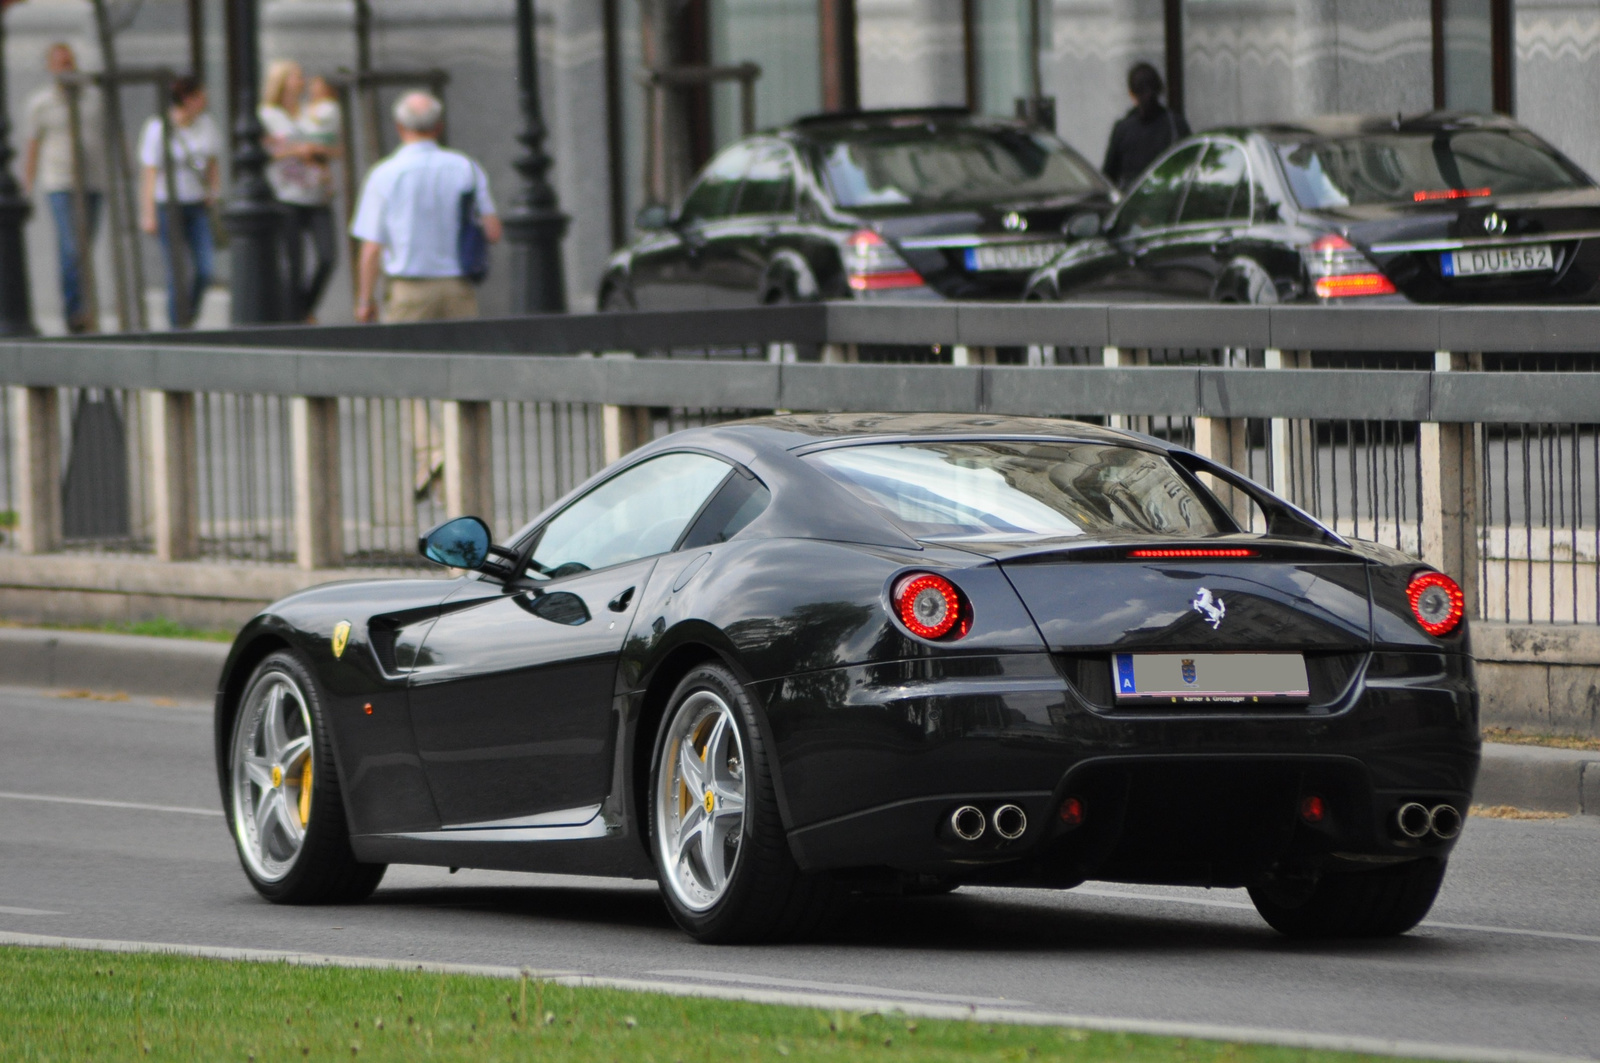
1446,821
1416,820
969,823
1009,822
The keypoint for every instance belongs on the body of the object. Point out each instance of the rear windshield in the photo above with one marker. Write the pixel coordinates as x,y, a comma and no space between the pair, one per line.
1423,167
940,167
1006,489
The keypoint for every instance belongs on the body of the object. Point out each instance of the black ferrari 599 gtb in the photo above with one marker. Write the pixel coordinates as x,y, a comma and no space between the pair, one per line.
772,662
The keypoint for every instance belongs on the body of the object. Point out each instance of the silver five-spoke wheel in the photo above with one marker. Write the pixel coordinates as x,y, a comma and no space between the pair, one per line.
272,775
700,805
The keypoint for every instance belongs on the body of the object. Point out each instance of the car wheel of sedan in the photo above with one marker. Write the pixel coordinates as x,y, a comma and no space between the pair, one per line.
723,860
1379,903
285,809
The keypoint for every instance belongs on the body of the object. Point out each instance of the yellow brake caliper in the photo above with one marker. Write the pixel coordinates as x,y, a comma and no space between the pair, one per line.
305,792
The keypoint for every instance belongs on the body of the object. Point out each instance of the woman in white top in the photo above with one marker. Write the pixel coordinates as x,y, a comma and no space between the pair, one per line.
192,146
303,182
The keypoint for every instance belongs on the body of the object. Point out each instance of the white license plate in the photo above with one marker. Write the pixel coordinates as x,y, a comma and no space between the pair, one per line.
1210,677
1478,261
1012,256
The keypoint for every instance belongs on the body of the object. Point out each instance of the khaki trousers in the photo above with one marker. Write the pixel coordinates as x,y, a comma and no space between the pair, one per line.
428,299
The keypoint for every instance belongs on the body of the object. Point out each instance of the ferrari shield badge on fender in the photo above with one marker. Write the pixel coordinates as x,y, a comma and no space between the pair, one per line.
1209,606
341,636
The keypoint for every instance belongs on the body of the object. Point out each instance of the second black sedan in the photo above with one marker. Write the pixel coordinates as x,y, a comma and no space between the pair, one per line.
1441,208
931,204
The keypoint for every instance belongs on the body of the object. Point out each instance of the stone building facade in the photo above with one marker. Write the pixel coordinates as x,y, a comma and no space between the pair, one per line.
1238,61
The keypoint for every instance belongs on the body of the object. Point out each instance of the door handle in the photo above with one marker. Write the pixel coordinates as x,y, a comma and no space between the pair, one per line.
620,603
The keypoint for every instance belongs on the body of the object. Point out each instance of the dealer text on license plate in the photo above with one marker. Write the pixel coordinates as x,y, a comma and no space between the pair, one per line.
1212,678
1012,256
1478,261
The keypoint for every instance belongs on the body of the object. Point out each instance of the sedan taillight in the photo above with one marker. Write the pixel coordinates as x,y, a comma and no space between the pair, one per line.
872,265
1339,271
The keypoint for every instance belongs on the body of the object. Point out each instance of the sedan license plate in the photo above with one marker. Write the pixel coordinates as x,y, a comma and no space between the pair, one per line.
1479,261
1012,256
1211,678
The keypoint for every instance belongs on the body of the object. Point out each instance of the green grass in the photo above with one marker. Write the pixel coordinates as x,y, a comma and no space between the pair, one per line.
159,628
65,1004
1515,737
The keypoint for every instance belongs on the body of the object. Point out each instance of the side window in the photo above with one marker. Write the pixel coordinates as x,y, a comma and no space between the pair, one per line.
712,196
769,183
1219,179
637,513
1154,201
741,500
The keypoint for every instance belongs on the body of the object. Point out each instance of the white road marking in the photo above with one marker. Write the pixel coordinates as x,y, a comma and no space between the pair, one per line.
1554,935
6,909
839,987
98,803
1206,1031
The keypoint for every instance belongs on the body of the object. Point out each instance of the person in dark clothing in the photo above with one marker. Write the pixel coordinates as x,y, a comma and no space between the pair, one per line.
1144,132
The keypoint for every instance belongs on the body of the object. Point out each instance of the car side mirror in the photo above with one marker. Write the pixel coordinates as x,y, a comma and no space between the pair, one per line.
653,217
1083,226
460,543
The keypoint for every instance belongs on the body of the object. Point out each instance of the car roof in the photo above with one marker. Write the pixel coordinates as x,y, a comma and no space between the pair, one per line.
1349,125
795,431
845,123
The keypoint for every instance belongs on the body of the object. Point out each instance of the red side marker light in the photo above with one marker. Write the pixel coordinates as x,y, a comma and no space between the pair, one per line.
1312,809
367,708
1437,602
930,606
1188,552
1072,813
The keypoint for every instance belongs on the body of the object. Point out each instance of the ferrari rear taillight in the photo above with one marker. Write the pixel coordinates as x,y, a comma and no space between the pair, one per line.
931,607
1436,602
872,265
1339,271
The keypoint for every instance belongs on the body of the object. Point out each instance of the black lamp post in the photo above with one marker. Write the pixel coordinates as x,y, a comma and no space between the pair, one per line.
535,224
252,214
16,309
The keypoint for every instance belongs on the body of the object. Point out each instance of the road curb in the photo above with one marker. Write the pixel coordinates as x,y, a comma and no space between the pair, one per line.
1547,780
1531,777
133,664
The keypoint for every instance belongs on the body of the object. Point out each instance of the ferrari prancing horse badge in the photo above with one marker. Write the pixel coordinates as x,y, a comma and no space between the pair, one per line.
341,636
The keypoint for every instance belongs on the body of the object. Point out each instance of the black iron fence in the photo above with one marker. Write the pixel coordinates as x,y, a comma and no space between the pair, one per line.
1467,436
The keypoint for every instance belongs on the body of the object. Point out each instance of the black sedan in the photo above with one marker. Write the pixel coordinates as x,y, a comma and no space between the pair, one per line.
773,662
911,204
1441,208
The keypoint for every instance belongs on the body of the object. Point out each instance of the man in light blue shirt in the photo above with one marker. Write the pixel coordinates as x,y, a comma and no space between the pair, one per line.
409,222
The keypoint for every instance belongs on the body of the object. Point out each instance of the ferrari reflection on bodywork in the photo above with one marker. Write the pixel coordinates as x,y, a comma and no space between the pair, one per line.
774,662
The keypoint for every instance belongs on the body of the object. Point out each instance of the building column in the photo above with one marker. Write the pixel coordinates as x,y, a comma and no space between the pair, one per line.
174,474
36,468
1450,472
841,78
318,499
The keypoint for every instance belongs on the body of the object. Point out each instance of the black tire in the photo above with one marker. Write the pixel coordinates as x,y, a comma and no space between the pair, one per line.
1365,904
766,897
323,870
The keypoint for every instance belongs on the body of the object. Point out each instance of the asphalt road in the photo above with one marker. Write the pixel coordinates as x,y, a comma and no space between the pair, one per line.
1509,959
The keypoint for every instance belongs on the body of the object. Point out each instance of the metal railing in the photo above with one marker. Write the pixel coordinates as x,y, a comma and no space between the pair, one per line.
1467,436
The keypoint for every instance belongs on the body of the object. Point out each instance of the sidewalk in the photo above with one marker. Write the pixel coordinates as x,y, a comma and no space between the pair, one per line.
1530,777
